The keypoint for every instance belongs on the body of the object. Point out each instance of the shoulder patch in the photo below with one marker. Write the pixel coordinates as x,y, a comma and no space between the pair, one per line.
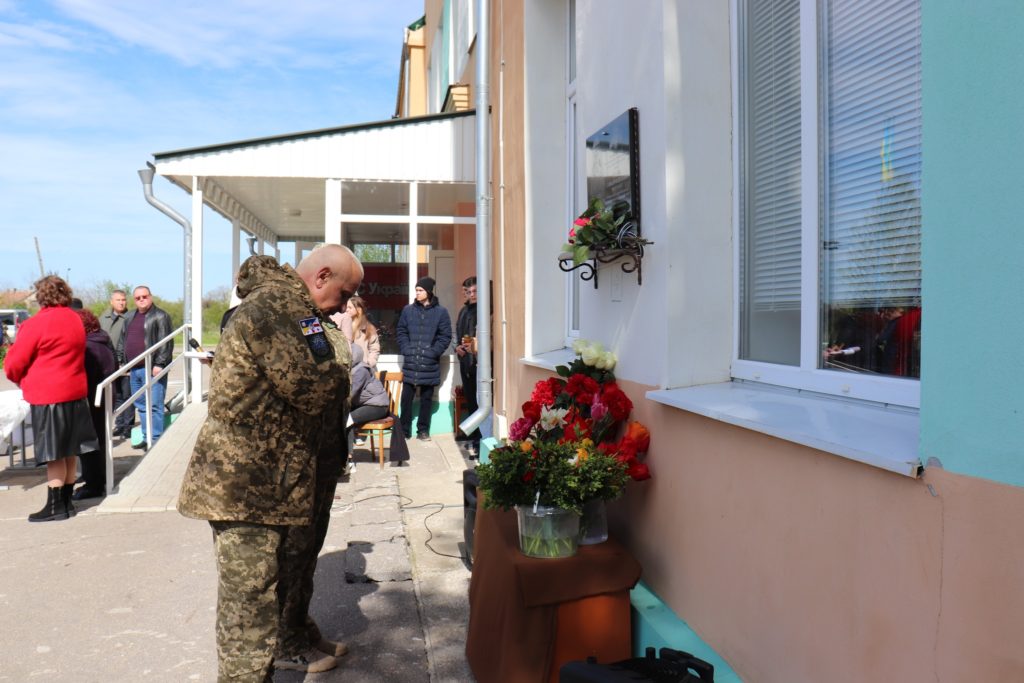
313,331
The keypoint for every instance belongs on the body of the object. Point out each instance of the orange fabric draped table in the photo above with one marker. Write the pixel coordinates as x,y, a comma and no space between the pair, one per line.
528,616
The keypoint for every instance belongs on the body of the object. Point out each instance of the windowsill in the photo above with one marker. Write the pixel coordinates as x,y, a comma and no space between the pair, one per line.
875,435
549,359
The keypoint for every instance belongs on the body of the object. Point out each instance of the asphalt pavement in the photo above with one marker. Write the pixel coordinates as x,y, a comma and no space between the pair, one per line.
130,596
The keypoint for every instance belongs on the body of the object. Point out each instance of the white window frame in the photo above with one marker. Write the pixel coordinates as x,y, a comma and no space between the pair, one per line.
807,376
573,181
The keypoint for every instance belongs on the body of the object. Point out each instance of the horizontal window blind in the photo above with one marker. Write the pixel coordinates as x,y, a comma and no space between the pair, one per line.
872,232
771,202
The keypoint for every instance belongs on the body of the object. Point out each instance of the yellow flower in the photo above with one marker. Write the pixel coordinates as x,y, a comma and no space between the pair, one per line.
526,446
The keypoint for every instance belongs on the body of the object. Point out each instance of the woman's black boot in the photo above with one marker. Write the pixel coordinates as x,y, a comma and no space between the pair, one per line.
54,508
66,492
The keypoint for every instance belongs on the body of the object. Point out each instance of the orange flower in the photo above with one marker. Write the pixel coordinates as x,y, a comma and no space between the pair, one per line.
639,435
526,446
581,454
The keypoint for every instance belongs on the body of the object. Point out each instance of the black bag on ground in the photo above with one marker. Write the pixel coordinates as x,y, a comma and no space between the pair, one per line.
672,666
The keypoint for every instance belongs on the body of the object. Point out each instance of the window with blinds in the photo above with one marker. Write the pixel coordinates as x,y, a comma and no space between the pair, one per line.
867,308
871,260
770,191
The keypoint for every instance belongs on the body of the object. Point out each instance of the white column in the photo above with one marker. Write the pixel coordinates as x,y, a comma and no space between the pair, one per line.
414,236
259,246
196,295
236,249
277,252
332,211
298,253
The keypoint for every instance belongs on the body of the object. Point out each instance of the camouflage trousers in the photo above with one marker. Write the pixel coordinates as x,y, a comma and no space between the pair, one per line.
300,549
247,610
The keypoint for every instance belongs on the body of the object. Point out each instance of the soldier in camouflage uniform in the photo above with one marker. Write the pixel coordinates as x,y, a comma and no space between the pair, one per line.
298,633
253,471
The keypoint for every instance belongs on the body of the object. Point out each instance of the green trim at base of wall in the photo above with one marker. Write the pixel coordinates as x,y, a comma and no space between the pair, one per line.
657,626
486,446
442,420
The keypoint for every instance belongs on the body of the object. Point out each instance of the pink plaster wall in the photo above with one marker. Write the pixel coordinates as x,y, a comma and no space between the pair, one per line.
802,566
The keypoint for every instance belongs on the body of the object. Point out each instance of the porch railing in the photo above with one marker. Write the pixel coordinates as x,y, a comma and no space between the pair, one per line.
105,393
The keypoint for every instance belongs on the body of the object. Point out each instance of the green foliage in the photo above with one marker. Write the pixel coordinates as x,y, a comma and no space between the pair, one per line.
373,253
598,226
565,475
3,354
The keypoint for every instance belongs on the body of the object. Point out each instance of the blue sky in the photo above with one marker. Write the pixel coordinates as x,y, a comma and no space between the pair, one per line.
90,89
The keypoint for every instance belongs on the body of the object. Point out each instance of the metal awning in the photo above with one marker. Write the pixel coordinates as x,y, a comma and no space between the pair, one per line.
274,187
289,188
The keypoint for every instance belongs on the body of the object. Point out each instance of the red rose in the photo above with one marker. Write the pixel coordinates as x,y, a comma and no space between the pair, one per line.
618,403
638,471
627,450
528,476
582,388
531,411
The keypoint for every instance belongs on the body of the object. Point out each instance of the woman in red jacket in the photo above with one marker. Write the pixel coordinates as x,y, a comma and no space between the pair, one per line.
47,361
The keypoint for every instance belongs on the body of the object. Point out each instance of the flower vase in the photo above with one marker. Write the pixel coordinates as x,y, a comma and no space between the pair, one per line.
593,523
547,531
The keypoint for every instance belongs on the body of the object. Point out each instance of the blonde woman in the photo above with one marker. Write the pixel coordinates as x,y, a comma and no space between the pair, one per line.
359,330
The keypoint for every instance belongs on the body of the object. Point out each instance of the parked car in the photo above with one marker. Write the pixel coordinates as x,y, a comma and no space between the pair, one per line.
10,320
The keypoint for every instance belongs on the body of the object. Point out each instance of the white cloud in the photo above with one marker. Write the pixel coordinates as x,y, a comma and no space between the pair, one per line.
234,33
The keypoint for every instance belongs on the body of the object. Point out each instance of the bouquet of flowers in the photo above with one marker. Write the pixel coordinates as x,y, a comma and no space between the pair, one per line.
574,442
602,227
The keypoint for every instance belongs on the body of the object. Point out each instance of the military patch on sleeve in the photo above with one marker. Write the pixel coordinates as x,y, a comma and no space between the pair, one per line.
313,331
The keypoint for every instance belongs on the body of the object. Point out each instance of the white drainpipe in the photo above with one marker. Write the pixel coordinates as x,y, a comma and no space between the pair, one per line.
484,376
146,175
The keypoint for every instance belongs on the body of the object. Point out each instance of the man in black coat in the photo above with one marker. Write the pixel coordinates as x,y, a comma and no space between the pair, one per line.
465,332
424,334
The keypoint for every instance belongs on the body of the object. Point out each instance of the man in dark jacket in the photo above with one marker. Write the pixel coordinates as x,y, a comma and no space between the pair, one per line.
143,328
465,331
424,333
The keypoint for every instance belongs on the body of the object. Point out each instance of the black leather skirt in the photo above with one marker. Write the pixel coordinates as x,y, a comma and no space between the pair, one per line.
62,429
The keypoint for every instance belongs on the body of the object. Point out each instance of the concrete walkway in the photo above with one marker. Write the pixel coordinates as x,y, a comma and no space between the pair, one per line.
138,585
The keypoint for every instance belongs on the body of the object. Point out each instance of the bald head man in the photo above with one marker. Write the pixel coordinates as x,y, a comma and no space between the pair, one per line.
332,274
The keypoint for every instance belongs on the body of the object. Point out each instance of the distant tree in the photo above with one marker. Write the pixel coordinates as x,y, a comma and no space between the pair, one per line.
98,293
373,253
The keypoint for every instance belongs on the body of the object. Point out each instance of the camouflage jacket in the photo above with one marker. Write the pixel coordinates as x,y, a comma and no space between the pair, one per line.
274,379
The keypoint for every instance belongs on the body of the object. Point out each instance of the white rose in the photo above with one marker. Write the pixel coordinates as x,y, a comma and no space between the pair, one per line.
610,360
590,355
602,362
579,345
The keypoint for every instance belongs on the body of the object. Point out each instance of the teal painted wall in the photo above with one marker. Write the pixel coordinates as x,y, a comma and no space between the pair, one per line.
972,357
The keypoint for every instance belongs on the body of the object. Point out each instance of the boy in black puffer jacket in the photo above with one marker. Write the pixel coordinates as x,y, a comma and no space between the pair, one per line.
424,334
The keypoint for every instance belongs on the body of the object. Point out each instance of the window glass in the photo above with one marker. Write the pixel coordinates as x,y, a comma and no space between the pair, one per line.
375,199
829,167
770,194
871,257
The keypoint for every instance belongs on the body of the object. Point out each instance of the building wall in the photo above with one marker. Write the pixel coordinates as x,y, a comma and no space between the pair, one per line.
796,565
508,173
971,403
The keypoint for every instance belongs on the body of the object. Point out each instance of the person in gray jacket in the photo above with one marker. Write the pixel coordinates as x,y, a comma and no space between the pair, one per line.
369,399
112,321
